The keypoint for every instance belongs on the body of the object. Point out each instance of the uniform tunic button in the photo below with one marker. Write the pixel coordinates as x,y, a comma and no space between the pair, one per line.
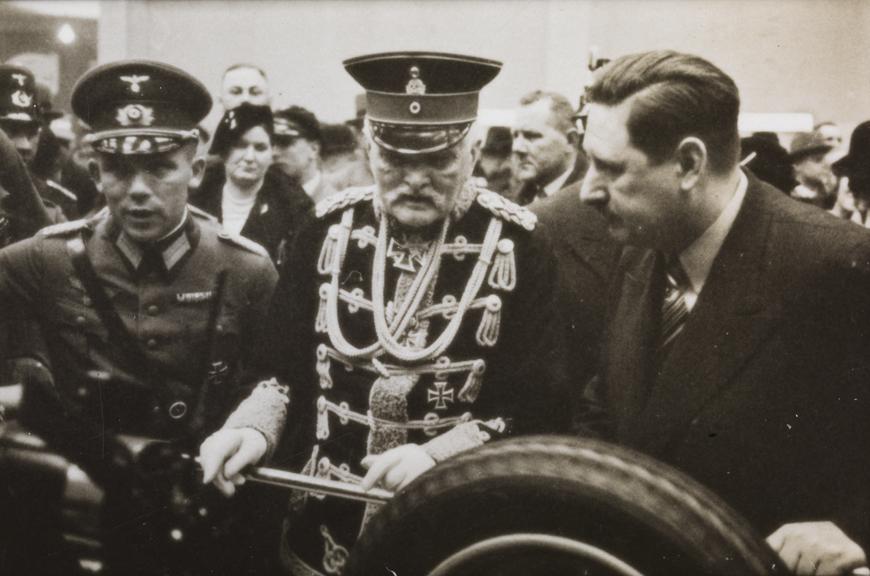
153,310
152,343
80,320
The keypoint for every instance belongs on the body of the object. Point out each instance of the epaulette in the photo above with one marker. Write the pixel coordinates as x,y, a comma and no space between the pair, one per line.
507,210
65,191
201,214
343,199
65,228
242,242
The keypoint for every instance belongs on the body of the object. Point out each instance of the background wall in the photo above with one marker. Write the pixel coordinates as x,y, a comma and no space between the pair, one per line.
786,56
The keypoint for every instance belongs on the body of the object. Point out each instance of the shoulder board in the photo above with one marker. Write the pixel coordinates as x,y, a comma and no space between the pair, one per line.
242,242
343,199
507,210
65,191
65,228
200,213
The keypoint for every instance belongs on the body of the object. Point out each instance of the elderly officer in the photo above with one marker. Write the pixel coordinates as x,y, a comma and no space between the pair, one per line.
130,292
417,322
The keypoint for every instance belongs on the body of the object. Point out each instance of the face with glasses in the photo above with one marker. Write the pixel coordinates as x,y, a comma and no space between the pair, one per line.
295,155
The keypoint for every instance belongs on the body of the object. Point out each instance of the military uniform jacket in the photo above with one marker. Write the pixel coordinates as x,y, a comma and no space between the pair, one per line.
477,356
166,312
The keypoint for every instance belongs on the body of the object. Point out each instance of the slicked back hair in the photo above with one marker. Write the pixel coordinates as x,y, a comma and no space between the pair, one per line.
560,108
674,96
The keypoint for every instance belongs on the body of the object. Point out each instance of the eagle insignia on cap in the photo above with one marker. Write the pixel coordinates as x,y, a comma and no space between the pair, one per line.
135,82
135,115
21,98
20,78
415,85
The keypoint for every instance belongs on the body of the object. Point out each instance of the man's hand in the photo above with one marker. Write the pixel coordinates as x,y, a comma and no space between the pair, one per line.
395,468
226,453
816,548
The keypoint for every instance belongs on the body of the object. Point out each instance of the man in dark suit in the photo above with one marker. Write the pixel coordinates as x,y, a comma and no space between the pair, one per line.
738,345
587,258
545,149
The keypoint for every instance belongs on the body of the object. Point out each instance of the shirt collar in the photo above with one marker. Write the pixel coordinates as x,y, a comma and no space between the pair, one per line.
556,184
310,185
172,252
697,259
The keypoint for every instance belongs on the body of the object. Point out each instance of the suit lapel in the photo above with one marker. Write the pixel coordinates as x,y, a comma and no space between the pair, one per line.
632,330
729,321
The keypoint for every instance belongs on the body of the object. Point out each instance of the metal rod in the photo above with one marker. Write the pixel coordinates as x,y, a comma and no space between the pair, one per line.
295,481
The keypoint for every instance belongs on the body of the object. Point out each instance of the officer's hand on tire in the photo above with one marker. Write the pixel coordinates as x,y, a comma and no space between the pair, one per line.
816,548
395,468
226,453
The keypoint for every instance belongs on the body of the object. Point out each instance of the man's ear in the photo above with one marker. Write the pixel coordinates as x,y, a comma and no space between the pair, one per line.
197,168
691,158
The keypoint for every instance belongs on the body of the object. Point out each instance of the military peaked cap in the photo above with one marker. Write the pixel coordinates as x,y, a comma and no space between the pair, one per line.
140,106
18,101
420,102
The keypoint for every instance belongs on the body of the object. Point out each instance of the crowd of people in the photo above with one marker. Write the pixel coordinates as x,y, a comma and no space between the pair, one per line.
362,301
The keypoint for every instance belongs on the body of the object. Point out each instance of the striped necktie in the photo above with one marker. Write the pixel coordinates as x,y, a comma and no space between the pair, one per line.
674,308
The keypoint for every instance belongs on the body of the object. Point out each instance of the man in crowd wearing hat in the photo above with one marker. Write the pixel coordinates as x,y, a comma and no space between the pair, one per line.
494,164
148,302
737,345
545,146
21,120
297,151
763,155
418,320
817,184
344,162
853,196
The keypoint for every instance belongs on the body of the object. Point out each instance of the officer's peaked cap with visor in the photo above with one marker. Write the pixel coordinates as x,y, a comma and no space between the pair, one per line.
421,102
140,106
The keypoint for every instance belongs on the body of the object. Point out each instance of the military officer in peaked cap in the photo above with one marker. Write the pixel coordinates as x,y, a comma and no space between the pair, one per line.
21,119
129,292
415,320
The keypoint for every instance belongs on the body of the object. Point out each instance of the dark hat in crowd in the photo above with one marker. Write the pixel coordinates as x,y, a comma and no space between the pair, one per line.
297,122
336,139
768,161
419,102
43,95
806,144
237,121
140,106
498,141
18,98
856,164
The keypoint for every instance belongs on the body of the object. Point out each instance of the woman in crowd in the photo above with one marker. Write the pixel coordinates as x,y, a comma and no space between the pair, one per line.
247,197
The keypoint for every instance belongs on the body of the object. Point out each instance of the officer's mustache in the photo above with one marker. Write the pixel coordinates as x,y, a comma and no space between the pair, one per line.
423,193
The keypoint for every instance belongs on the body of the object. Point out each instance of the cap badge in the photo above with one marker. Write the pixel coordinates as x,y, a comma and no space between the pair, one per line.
21,98
20,78
135,115
135,82
415,85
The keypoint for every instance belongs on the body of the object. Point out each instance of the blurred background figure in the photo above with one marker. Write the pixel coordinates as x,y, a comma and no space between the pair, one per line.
21,120
831,134
853,196
546,154
816,181
343,161
765,157
494,164
202,144
298,142
244,83
245,196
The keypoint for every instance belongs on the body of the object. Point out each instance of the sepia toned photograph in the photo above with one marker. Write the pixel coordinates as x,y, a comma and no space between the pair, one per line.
435,287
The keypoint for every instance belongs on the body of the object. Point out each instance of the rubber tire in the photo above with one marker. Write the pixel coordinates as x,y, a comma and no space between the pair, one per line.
644,513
